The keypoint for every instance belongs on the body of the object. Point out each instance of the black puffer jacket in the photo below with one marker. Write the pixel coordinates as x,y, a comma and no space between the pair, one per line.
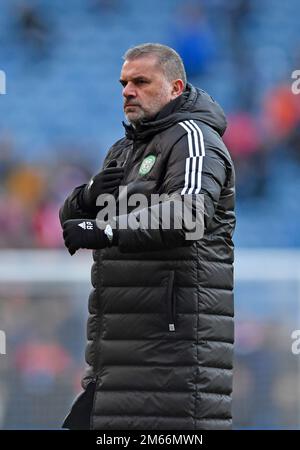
146,374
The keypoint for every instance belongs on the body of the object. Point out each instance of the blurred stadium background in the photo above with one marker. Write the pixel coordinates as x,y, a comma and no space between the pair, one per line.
62,111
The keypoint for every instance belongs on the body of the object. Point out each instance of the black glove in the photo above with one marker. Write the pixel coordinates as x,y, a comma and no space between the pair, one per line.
105,182
83,234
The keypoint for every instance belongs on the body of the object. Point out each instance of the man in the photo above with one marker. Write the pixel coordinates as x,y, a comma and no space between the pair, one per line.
160,332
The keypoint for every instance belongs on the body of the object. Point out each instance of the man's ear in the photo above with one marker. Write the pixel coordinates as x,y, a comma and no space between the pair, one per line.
178,88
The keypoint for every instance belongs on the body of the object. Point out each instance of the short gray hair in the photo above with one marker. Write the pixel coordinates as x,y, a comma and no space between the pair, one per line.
169,60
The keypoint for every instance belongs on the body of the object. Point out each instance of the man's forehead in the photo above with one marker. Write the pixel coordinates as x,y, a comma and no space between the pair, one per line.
141,66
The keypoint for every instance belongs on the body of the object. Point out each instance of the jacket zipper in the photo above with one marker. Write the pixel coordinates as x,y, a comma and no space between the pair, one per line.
127,160
132,155
170,302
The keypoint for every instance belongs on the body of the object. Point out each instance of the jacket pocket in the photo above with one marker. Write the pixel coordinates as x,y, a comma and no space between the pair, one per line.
79,416
170,299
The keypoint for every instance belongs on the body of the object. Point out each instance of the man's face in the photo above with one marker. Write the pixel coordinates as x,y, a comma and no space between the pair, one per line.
145,88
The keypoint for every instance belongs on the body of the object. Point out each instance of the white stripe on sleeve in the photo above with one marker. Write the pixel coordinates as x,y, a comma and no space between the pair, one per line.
194,163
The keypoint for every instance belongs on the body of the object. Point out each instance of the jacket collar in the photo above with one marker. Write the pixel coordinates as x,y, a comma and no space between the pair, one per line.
163,119
193,103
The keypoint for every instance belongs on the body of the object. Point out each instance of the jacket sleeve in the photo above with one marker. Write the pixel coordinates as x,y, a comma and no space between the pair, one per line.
195,172
73,207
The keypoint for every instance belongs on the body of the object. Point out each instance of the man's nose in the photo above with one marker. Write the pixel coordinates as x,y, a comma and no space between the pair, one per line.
129,90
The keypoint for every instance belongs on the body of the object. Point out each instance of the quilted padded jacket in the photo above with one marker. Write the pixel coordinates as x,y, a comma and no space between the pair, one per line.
160,332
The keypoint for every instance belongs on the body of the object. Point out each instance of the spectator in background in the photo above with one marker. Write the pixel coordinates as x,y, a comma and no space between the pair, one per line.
46,225
105,7
33,28
281,114
247,150
238,13
7,156
293,141
14,223
193,39
27,183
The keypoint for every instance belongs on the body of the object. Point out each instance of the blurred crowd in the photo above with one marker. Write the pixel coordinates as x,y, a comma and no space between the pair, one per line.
256,140
31,195
42,368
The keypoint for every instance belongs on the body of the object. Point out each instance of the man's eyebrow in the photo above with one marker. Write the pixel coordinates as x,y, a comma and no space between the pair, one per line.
139,77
